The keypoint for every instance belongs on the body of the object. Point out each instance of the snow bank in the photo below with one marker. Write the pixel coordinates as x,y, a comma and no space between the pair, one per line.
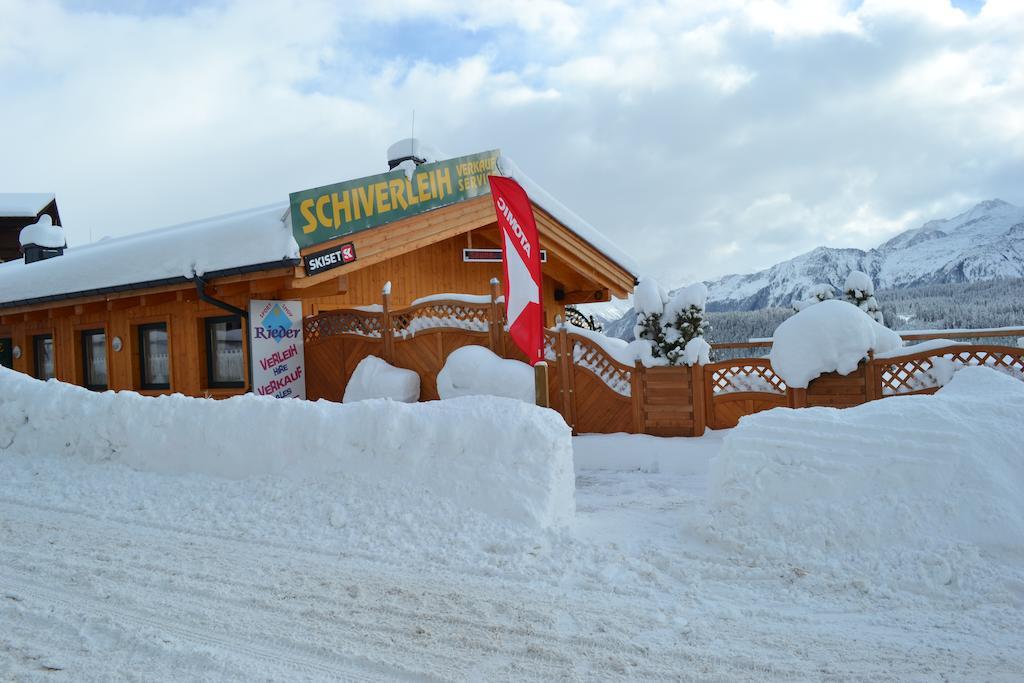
832,336
506,459
909,489
376,378
478,371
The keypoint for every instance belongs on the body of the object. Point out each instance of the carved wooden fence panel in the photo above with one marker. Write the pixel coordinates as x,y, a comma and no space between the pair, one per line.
925,371
738,387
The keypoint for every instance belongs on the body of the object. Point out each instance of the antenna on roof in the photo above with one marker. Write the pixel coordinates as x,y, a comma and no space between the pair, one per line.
412,135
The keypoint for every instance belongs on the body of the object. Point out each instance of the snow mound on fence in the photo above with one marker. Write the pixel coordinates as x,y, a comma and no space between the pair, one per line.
376,378
832,336
478,371
505,459
908,490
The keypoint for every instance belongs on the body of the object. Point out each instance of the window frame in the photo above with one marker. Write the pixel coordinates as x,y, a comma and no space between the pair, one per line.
37,356
83,336
140,335
210,352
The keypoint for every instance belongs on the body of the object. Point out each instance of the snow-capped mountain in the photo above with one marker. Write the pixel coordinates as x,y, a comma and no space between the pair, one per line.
984,243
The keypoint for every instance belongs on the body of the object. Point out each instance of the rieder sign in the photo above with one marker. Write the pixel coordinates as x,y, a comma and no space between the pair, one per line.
278,358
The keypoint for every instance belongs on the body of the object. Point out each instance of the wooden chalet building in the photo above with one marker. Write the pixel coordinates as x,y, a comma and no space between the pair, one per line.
164,311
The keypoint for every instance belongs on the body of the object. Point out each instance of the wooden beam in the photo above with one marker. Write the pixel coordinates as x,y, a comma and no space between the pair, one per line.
588,296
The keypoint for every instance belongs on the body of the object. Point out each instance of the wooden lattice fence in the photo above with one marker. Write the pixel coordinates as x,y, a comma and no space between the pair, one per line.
594,391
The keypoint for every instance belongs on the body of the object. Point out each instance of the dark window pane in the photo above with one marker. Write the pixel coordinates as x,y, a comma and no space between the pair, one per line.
94,362
6,353
44,356
224,351
155,364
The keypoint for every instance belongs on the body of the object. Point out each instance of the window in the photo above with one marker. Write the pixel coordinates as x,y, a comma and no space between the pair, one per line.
154,363
94,360
42,347
6,353
225,363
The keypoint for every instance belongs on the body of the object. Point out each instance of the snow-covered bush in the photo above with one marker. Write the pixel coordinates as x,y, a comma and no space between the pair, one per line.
859,290
376,378
478,371
815,295
833,336
670,323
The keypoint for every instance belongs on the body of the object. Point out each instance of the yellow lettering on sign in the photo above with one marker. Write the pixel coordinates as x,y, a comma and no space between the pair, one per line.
423,186
321,202
364,201
381,190
413,199
444,180
306,209
397,188
341,204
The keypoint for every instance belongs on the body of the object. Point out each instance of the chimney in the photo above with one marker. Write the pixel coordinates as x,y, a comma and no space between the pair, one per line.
42,240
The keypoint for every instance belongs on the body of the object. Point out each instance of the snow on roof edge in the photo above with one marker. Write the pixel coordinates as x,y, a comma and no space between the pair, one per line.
567,217
24,204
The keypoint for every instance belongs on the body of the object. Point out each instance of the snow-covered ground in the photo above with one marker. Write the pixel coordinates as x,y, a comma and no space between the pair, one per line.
109,572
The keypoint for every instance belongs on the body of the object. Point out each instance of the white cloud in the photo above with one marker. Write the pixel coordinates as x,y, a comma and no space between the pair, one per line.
704,137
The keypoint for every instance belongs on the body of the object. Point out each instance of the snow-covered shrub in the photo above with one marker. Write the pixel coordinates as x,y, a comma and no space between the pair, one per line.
815,295
833,336
376,378
859,290
670,323
478,371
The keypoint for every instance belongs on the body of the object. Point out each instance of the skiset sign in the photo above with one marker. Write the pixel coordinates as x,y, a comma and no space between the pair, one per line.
520,245
278,358
334,211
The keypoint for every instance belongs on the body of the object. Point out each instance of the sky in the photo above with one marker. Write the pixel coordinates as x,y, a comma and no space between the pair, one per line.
705,138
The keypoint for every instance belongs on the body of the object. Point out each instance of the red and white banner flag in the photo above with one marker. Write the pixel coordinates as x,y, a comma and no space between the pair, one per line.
520,250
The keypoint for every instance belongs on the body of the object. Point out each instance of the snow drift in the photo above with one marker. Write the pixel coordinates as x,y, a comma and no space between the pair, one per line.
478,371
832,336
912,486
376,378
506,459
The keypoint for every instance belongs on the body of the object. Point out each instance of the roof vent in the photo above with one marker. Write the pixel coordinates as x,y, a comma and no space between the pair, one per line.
42,240
411,149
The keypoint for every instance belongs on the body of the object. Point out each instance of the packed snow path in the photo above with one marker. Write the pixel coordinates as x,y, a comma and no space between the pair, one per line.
102,577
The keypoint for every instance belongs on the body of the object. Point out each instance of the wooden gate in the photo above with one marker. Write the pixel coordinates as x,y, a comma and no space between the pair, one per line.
739,387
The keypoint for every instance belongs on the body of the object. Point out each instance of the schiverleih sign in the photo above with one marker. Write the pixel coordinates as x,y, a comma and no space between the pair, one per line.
333,211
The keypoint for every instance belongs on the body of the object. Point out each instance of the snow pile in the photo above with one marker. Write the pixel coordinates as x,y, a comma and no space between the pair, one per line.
478,371
414,147
43,233
504,459
833,336
376,378
907,489
23,204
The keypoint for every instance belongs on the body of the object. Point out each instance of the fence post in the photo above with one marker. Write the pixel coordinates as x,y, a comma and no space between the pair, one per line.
540,381
697,398
496,328
872,390
636,392
796,398
387,330
565,374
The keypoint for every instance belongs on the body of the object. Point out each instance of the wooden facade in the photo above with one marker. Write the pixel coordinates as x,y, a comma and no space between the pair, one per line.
420,255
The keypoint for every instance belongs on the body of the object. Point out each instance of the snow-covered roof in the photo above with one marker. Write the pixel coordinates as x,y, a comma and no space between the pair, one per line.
244,239
23,204
541,197
239,240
